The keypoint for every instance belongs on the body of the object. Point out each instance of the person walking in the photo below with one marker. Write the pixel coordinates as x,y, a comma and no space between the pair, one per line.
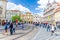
48,27
16,22
14,28
6,29
52,29
55,27
22,26
11,28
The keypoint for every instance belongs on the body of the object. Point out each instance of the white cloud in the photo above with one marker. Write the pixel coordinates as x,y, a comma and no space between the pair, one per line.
57,0
39,7
40,14
43,3
13,6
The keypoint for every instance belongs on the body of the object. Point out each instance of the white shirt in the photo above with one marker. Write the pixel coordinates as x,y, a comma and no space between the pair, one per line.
52,28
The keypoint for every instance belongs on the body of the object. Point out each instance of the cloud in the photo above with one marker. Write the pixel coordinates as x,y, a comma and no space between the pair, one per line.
43,3
40,8
40,14
57,0
13,6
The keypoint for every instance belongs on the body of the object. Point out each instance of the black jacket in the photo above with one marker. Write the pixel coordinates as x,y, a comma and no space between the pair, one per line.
11,25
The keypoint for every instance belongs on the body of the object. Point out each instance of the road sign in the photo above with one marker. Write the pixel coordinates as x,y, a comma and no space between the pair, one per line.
49,17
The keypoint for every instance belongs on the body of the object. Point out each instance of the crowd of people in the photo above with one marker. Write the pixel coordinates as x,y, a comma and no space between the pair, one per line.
9,26
49,27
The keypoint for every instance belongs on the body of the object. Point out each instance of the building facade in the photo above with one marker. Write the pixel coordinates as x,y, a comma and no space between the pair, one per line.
50,14
37,18
10,13
57,14
2,8
3,4
27,17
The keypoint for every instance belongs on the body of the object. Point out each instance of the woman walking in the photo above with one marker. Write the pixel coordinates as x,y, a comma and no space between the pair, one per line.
6,29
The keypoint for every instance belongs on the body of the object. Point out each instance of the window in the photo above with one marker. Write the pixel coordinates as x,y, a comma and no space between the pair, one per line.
1,3
28,16
0,11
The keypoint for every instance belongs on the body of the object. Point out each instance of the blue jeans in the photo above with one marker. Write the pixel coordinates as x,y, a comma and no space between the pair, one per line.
11,31
22,27
48,29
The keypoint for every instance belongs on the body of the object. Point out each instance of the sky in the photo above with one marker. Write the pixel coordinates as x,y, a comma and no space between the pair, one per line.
33,6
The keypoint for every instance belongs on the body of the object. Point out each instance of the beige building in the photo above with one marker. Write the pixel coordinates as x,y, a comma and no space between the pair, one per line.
51,15
57,14
28,17
10,13
37,18
3,4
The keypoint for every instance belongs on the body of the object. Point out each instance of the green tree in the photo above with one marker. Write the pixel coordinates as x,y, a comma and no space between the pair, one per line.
16,17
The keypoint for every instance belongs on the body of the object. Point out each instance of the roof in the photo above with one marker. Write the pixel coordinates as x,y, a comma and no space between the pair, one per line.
14,10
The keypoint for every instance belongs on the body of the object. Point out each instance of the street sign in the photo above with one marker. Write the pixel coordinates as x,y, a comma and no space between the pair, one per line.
49,17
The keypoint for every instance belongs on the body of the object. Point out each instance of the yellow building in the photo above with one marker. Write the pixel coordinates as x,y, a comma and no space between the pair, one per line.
23,17
2,9
28,17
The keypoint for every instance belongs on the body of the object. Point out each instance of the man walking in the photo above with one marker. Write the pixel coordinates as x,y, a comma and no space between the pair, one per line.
22,26
48,27
11,28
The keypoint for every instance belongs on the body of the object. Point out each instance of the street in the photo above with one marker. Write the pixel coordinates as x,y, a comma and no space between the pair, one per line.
18,33
44,35
30,32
